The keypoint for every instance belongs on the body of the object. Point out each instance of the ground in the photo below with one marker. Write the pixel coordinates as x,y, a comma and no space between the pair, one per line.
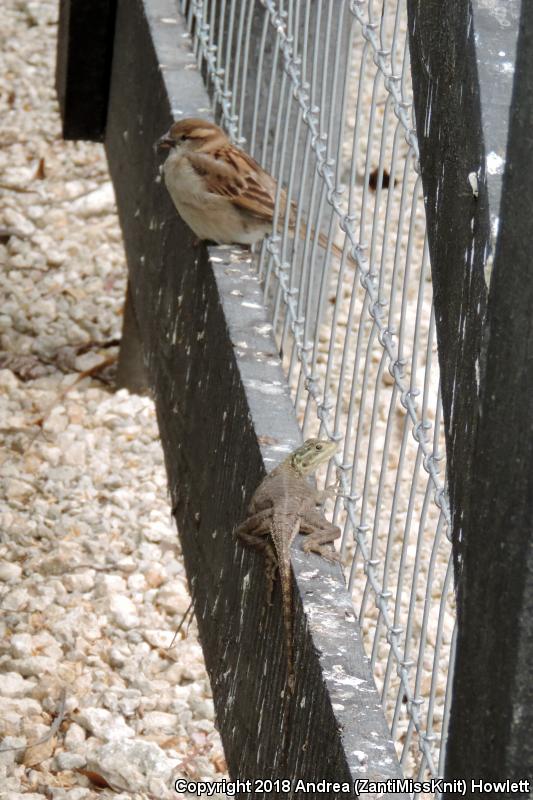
92,584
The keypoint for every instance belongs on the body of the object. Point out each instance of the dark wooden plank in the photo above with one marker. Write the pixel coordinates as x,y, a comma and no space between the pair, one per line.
462,91
450,135
83,66
495,645
469,123
219,389
131,372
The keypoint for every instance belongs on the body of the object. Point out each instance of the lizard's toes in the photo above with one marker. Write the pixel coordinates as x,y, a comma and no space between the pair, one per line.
332,556
329,555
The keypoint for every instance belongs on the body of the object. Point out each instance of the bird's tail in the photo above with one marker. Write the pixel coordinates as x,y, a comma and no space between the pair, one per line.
324,242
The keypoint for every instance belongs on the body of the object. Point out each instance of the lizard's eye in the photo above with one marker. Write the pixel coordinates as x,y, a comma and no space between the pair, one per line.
319,447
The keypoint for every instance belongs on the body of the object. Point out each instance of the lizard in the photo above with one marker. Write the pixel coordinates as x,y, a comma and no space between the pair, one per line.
283,505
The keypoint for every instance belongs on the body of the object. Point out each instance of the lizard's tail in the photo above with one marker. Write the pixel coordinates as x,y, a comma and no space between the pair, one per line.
283,532
286,735
286,600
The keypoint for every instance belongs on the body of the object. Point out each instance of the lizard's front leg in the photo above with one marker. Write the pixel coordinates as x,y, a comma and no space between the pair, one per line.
319,532
327,493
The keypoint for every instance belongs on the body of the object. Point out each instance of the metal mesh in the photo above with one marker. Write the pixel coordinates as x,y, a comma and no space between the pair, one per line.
319,92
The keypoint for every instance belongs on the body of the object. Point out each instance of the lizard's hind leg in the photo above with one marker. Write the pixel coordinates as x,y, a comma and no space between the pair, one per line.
319,532
257,524
261,542
271,567
253,532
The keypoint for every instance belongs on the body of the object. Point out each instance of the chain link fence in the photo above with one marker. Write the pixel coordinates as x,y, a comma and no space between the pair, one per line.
319,92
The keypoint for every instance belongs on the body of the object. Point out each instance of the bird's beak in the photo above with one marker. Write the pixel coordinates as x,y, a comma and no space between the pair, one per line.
166,142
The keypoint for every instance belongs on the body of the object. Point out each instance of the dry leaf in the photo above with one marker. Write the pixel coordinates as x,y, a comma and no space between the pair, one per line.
33,755
95,778
173,742
40,173
219,763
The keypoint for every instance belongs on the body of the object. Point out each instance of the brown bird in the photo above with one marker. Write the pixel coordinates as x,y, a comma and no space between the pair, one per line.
220,191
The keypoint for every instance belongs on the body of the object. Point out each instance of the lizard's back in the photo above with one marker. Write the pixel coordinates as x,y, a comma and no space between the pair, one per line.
289,492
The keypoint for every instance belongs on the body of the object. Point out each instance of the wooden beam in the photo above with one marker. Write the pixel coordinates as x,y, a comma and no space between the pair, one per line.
83,66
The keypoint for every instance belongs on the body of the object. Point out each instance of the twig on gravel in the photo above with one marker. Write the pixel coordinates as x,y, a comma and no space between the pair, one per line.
22,189
182,621
87,373
102,782
96,568
85,348
60,715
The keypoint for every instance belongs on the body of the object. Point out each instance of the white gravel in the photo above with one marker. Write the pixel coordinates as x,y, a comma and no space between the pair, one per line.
92,584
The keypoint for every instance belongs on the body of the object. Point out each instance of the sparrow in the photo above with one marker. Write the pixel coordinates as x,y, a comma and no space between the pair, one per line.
219,190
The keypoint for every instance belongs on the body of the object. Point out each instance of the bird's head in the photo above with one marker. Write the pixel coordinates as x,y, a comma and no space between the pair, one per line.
192,134
307,458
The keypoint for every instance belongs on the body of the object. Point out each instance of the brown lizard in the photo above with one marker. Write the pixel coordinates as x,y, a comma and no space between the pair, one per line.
283,505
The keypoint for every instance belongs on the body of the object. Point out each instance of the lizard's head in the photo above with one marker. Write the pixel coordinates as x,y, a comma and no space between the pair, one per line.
307,458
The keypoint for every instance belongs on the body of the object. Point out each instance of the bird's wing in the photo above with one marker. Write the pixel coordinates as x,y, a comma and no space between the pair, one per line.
234,174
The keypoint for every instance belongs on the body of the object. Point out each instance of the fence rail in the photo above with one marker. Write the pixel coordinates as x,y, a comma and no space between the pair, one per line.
320,92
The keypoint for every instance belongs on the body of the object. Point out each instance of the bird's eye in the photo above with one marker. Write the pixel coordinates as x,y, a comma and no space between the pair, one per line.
319,447
183,138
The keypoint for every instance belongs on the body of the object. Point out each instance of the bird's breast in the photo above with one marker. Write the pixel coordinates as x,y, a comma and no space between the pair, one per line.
183,183
210,216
